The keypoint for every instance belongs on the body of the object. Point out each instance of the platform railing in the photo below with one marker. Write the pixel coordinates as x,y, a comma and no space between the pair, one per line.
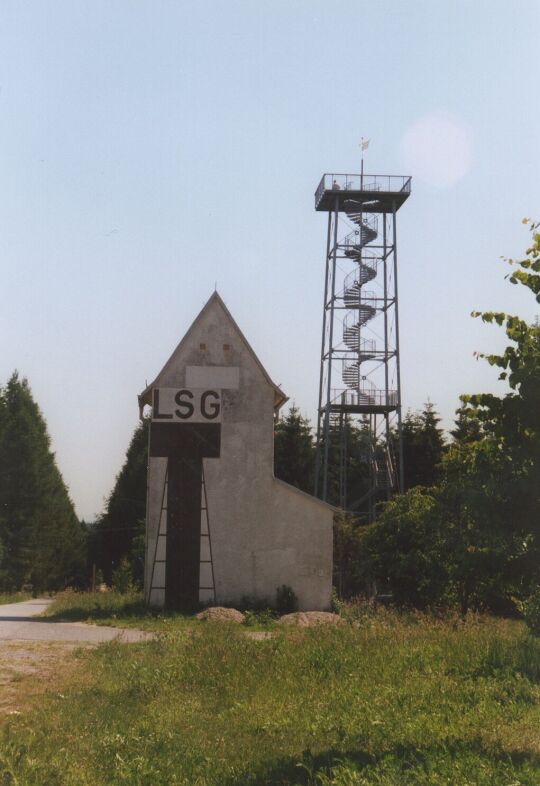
371,183
366,396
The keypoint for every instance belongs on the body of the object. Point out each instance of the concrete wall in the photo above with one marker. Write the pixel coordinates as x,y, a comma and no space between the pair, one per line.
264,533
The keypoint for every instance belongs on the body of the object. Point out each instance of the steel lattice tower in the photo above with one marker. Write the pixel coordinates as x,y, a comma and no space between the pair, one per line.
360,372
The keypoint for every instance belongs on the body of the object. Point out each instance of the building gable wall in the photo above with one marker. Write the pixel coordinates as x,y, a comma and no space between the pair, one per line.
263,533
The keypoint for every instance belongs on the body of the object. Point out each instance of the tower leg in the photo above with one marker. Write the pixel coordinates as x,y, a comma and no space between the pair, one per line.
321,377
330,345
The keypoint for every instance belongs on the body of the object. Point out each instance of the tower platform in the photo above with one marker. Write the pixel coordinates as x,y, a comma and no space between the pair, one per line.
375,193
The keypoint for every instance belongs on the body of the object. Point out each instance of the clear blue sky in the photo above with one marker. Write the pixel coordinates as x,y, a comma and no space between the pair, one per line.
151,149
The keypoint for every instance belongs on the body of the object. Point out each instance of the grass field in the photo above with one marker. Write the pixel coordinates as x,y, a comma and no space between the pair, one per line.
386,701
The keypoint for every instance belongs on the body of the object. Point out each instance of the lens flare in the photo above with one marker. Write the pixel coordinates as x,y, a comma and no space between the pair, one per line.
437,149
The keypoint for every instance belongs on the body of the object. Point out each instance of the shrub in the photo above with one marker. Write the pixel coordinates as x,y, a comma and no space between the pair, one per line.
286,600
531,612
122,577
405,551
264,617
336,604
350,574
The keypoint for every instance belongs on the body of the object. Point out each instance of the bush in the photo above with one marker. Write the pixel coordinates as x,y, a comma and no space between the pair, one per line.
122,578
531,612
336,603
286,600
350,574
265,618
405,553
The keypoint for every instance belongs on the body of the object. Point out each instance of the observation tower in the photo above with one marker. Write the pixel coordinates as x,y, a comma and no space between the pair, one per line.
360,367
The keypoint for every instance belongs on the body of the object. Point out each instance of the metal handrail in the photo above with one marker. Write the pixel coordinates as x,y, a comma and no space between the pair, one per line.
369,183
352,239
366,395
354,320
366,300
353,278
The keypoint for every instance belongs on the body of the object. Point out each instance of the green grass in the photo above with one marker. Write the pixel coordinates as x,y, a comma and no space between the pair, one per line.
112,608
13,597
128,610
386,701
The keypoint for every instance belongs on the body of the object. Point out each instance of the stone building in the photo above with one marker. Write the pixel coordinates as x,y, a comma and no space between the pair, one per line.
220,527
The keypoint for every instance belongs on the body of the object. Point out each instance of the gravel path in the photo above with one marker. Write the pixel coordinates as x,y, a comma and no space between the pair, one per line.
18,622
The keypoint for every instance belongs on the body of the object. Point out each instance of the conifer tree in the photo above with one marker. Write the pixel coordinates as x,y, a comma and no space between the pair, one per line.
348,463
423,447
120,530
466,429
42,541
294,452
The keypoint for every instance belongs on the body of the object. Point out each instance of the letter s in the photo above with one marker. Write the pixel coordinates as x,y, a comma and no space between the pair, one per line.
186,408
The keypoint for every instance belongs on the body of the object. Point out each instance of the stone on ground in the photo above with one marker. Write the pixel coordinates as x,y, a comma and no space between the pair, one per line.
220,614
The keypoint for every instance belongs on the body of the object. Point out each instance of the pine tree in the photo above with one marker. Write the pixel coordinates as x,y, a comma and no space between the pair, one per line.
120,530
423,447
348,448
42,541
467,429
294,452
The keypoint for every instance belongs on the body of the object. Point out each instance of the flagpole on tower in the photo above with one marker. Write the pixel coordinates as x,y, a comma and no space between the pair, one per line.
364,144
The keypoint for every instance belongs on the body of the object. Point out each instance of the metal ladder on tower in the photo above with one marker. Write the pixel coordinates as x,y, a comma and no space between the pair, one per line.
157,578
207,586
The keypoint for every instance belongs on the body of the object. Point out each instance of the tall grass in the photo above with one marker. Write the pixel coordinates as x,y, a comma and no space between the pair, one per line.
385,701
13,597
110,608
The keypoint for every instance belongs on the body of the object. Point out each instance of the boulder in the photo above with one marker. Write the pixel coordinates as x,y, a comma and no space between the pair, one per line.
220,614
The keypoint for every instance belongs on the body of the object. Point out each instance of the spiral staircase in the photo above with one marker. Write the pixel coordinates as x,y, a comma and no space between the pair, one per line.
362,306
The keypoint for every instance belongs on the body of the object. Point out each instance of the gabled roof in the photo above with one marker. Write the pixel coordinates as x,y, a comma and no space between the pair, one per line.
279,396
